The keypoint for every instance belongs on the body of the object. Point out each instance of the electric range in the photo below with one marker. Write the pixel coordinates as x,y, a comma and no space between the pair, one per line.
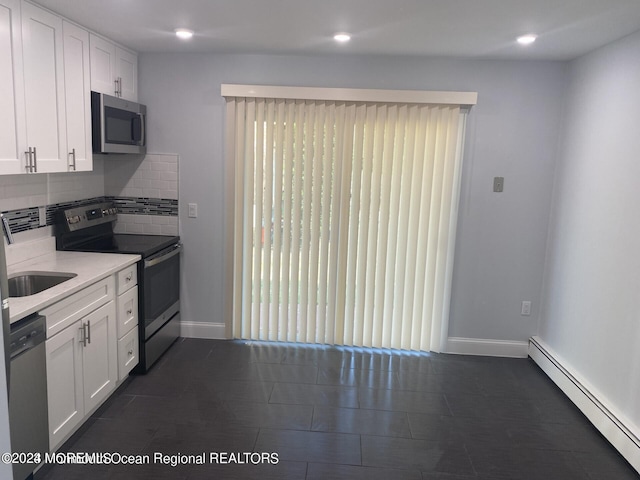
90,229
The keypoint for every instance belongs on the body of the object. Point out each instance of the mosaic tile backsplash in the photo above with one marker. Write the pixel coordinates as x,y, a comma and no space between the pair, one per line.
145,191
24,219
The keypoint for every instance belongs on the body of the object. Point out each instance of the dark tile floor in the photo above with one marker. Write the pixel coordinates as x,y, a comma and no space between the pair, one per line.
332,413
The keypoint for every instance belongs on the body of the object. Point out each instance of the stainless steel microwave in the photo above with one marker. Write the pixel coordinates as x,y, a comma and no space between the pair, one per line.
117,125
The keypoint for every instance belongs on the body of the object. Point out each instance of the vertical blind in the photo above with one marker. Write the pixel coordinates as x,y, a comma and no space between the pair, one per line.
345,218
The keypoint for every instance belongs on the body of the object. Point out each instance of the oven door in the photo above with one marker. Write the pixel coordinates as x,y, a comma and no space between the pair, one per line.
161,274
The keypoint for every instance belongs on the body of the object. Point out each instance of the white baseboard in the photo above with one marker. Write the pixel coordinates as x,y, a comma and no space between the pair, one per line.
621,433
487,347
213,331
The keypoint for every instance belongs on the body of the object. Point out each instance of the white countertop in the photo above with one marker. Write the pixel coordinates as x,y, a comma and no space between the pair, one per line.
89,268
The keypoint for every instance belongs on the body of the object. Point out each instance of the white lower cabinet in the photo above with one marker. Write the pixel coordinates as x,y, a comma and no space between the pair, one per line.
127,327
127,311
65,392
128,354
91,346
100,356
82,370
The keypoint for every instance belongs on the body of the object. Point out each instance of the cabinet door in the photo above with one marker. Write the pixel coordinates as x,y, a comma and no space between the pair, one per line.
77,97
12,127
103,64
44,87
127,74
64,383
100,356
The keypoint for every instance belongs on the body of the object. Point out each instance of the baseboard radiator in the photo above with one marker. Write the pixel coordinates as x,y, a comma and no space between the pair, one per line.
620,433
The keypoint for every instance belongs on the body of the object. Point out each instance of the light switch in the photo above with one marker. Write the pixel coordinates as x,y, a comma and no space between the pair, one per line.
193,210
498,184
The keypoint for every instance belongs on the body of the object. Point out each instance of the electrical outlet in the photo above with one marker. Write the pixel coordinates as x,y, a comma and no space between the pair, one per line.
526,308
42,216
498,184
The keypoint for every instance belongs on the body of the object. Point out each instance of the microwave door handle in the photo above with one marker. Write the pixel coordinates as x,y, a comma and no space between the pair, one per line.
137,129
159,259
103,125
143,129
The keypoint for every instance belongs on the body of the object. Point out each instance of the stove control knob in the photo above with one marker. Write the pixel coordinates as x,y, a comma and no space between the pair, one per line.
73,219
114,211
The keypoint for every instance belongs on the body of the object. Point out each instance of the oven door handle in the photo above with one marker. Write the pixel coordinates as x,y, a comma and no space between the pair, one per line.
164,255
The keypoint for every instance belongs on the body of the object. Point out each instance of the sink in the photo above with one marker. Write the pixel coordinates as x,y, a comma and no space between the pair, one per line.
23,284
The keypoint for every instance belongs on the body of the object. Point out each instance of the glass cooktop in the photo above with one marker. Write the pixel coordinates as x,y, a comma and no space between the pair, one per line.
144,245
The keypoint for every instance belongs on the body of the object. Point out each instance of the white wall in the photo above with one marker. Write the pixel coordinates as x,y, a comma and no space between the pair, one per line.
592,281
512,132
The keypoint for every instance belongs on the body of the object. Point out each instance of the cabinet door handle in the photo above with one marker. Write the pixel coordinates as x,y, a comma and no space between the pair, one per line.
88,331
115,91
118,82
72,154
83,335
35,160
130,352
29,162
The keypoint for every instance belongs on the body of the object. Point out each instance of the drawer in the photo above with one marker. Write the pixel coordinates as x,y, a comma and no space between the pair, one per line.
127,353
126,278
127,311
65,312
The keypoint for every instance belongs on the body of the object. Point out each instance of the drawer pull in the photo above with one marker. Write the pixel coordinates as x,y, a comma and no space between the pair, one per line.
130,352
129,312
130,276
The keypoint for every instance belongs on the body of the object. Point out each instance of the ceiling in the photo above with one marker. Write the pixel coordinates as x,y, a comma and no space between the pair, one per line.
452,28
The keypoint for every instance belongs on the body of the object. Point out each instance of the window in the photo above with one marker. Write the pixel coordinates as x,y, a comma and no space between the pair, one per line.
345,215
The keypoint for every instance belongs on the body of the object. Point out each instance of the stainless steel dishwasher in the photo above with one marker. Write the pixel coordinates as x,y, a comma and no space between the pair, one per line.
28,417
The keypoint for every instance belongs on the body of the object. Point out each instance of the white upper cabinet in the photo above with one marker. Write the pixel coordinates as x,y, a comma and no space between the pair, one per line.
12,126
103,65
48,67
44,90
127,74
77,97
114,71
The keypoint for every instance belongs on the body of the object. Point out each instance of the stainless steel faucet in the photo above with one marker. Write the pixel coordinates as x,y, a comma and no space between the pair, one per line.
7,229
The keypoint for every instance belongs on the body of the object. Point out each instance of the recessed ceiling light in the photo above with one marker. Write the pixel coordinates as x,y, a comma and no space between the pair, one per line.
342,37
184,33
527,39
